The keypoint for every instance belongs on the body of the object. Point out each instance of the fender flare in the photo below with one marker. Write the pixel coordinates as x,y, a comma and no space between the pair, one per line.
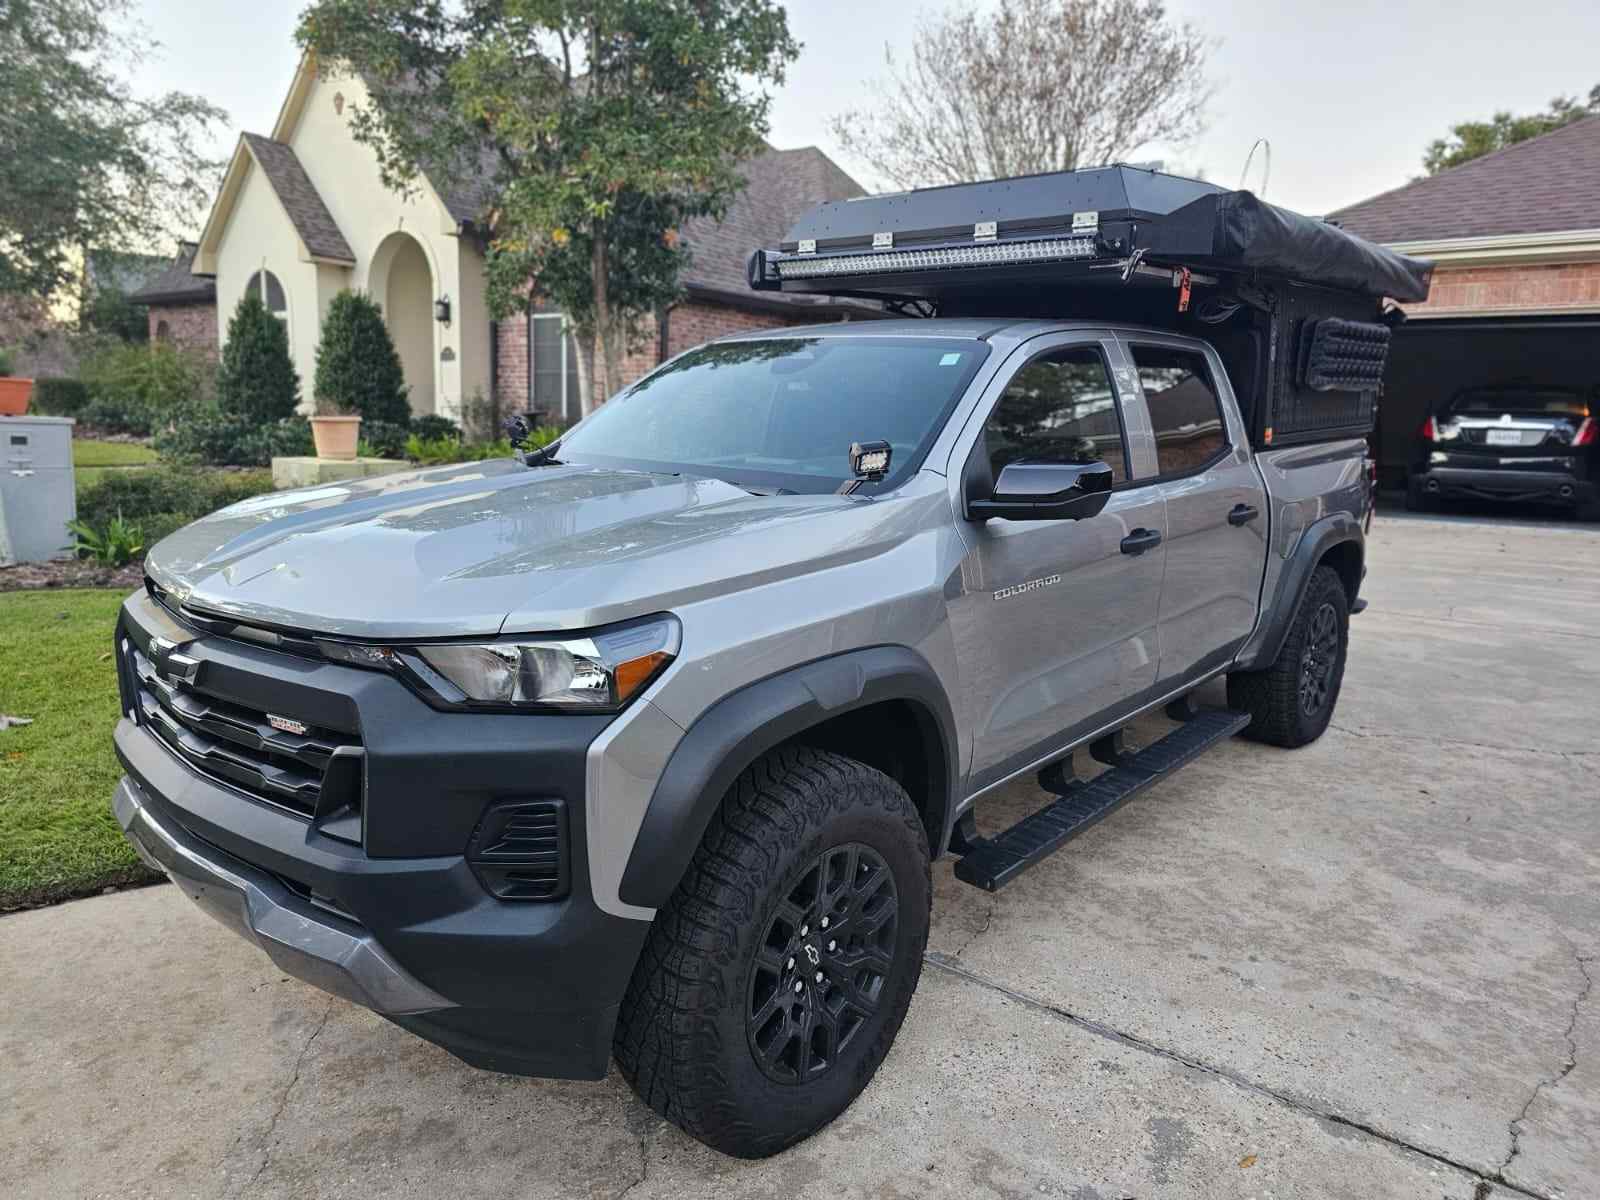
1321,536
742,726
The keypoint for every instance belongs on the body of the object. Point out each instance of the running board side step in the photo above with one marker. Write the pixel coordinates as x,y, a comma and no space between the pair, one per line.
991,863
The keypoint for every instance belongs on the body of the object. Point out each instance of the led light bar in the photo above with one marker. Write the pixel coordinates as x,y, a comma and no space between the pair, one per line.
990,254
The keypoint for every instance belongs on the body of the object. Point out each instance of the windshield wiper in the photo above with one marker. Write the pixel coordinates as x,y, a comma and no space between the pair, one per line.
544,456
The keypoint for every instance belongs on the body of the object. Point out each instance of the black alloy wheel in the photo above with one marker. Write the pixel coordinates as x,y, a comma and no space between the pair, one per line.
1317,659
819,972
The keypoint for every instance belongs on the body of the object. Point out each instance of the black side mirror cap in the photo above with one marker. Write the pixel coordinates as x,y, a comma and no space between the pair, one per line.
1045,492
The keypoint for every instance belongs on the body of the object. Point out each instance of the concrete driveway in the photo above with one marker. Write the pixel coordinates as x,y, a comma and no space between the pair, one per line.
1361,969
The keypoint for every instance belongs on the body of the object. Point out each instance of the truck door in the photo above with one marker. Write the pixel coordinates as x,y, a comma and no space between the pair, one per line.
1056,620
1216,504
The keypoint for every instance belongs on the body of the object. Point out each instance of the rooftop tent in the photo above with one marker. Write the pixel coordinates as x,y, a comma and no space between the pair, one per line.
1066,230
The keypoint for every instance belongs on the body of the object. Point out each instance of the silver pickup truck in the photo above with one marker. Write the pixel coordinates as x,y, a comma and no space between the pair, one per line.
643,744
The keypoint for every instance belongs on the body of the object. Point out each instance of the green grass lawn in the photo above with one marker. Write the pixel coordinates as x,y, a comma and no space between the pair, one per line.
93,460
57,835
89,453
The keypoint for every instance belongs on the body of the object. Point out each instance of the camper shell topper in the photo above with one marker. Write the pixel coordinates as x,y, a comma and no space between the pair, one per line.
1292,303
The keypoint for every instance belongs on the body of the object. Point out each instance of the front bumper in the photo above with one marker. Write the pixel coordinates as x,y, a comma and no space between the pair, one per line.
399,920
1503,483
336,956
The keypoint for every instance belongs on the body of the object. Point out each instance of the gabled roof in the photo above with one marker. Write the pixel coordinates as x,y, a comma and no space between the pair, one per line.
312,220
1547,184
780,186
319,236
177,284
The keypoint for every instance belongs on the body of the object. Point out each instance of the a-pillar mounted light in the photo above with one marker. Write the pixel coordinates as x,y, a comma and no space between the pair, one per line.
441,310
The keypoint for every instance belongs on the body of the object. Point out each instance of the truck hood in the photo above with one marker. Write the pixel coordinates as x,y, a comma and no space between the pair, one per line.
492,547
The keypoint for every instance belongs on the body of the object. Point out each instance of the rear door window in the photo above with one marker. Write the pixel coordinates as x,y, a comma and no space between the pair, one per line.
1185,411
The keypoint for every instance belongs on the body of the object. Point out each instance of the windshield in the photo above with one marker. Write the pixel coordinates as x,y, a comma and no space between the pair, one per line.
1491,402
780,414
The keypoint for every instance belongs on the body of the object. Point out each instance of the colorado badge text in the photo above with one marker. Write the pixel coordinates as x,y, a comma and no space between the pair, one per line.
1031,585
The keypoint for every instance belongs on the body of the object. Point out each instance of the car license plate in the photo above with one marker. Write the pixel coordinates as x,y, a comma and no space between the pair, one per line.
1505,437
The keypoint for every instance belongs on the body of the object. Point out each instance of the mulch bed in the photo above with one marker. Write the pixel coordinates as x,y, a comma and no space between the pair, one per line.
27,577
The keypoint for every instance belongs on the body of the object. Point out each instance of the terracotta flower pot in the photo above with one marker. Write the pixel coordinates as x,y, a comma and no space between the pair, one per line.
14,395
336,437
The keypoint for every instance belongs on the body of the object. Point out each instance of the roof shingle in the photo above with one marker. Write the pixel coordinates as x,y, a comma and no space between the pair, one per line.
300,200
1546,184
178,284
780,186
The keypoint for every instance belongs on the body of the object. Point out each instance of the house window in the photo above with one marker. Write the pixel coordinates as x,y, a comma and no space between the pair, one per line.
265,285
555,367
163,331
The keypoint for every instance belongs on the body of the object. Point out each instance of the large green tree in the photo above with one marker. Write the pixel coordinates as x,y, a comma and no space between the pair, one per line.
1474,139
85,162
596,127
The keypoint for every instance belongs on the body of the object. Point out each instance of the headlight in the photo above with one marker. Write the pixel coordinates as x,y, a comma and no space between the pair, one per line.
593,672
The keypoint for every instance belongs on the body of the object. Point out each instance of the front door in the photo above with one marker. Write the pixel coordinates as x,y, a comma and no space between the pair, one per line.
1216,506
1056,620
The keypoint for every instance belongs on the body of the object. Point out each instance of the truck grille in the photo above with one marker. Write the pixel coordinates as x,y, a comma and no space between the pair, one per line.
239,745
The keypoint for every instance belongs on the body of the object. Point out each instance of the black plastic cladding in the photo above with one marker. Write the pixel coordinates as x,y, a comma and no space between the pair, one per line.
739,728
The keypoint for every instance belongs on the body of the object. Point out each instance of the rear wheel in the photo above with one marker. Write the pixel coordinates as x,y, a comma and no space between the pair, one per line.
1292,701
775,979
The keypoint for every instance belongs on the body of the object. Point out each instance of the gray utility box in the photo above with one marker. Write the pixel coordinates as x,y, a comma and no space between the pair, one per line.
37,496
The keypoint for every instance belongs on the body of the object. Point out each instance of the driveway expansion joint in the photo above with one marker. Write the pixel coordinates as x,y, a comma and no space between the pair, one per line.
1485,1181
1567,1067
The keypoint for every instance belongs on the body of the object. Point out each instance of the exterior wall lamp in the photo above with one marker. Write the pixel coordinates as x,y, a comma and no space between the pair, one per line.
441,310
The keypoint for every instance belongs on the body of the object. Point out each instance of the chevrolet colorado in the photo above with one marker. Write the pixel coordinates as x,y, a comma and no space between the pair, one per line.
642,745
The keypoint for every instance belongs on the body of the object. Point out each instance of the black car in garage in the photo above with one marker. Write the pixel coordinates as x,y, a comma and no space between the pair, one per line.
1514,442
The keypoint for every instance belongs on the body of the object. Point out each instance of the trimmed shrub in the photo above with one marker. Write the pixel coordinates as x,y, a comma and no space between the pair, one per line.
160,499
358,369
139,389
256,381
431,425
60,397
204,433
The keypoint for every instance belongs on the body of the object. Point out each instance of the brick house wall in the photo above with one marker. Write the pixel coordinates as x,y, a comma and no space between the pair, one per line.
513,364
1479,291
191,326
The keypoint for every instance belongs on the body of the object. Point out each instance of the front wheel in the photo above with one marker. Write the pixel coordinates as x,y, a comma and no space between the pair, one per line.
1291,702
774,981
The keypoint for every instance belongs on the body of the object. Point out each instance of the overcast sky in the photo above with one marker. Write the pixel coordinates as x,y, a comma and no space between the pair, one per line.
1348,94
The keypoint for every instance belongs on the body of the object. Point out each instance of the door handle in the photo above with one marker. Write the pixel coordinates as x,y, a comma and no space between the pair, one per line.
1141,540
1242,513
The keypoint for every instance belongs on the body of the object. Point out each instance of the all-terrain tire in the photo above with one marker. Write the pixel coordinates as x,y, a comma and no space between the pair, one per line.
691,1038
1308,668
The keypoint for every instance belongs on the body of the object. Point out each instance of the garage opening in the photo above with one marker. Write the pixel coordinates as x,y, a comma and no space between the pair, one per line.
1433,359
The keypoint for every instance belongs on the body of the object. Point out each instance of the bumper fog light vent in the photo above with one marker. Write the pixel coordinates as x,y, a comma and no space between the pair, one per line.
519,851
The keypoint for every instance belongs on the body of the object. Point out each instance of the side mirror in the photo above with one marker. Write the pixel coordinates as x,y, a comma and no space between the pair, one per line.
1045,492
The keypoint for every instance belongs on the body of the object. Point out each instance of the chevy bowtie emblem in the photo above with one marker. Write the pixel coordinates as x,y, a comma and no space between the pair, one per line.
811,953
285,724
171,663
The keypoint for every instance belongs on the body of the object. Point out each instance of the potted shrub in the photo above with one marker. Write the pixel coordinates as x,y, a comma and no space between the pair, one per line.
336,433
357,375
14,393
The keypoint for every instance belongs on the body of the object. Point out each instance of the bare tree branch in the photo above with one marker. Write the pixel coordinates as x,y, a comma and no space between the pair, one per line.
1034,85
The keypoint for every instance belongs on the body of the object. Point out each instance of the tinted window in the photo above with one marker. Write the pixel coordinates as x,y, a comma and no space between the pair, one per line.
1491,402
1061,409
1184,411
783,412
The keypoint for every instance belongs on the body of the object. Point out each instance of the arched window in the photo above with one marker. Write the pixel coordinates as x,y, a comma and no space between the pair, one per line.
265,285
163,332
